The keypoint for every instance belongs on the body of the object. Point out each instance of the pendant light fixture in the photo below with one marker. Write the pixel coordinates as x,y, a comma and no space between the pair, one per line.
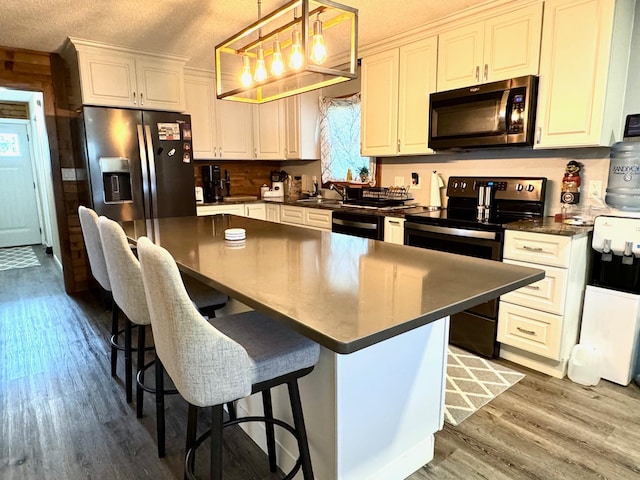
277,64
318,48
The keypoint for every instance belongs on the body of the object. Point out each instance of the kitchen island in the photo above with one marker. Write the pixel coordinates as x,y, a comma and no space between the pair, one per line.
380,312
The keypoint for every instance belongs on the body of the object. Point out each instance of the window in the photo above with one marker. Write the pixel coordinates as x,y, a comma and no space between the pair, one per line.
340,142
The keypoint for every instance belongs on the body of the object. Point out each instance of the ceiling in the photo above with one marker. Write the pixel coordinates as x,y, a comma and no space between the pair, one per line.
190,28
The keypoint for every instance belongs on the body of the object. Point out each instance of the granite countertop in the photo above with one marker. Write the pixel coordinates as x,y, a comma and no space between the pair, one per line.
342,291
550,226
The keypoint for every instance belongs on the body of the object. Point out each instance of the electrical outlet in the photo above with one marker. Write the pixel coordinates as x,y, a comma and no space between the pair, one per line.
415,181
595,189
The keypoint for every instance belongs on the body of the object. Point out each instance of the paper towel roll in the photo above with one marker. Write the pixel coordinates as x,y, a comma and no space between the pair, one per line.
435,199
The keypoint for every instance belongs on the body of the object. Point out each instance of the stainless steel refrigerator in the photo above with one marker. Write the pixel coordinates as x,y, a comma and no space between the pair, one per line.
139,162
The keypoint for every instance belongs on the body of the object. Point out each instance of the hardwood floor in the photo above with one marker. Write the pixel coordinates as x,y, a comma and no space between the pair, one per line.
64,417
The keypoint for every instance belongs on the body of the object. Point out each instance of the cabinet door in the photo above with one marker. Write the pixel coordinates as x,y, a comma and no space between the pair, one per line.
512,44
255,210
268,131
574,62
302,126
394,230
379,115
460,54
272,212
108,78
291,215
234,128
200,103
160,84
418,71
292,127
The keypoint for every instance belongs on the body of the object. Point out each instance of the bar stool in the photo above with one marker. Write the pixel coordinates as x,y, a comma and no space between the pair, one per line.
95,254
228,359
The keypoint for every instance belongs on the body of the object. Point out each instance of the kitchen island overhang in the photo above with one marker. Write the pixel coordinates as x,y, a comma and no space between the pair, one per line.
380,312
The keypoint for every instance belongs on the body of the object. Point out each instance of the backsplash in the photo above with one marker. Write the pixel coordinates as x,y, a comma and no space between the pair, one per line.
246,176
530,163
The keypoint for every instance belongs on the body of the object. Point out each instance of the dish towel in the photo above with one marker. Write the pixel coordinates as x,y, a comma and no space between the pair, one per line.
435,199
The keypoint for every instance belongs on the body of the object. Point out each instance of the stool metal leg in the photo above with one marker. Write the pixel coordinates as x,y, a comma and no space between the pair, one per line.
271,438
128,366
139,391
114,331
231,407
217,423
160,407
298,422
192,425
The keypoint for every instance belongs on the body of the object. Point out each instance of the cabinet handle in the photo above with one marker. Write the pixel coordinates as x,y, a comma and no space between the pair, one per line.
394,222
477,73
398,147
135,101
532,287
528,332
532,249
538,134
486,71
141,99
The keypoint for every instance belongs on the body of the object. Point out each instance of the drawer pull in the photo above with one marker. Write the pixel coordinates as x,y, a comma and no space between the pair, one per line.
532,287
528,332
533,249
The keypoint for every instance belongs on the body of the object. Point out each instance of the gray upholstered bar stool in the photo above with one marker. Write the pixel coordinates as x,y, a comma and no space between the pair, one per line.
222,361
93,244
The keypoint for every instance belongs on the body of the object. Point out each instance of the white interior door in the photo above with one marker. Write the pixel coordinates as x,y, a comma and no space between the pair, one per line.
19,222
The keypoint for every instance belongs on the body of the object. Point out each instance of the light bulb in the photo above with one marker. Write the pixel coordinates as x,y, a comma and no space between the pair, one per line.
318,48
260,74
297,58
277,65
245,78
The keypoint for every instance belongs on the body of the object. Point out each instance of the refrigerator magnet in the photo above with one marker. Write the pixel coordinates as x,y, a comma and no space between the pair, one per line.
169,131
186,158
186,131
186,147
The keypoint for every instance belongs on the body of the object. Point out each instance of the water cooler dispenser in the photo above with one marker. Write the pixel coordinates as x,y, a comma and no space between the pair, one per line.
611,312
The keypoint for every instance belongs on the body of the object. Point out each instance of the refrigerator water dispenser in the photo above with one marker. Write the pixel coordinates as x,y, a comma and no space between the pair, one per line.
116,179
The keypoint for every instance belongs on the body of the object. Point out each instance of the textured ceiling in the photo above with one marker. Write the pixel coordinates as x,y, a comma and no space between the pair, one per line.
190,28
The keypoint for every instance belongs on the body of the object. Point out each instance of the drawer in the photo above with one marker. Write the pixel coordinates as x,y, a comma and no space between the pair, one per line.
237,209
538,248
530,330
315,217
547,294
293,215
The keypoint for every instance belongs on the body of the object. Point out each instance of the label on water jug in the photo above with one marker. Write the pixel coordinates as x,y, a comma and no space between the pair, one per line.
623,187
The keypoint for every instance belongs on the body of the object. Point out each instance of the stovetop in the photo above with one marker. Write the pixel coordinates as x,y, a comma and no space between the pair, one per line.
513,199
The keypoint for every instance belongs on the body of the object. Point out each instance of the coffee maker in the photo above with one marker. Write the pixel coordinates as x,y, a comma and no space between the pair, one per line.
215,187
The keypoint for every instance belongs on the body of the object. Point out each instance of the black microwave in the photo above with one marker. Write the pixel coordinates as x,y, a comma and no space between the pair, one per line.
497,114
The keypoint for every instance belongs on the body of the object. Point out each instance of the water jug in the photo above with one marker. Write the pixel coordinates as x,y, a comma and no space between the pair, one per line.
584,365
623,187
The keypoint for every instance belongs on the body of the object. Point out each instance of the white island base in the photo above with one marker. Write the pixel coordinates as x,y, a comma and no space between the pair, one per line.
371,414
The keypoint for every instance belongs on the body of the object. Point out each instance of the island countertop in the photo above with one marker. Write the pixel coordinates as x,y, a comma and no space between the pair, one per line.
344,292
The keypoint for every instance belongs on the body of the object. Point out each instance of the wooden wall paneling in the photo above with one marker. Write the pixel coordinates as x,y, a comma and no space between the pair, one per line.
246,176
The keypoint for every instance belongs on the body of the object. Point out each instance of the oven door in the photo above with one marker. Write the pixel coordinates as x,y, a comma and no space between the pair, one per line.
475,328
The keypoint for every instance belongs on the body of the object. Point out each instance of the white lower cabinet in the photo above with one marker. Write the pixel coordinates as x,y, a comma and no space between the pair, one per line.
231,209
539,324
255,210
272,212
394,230
315,218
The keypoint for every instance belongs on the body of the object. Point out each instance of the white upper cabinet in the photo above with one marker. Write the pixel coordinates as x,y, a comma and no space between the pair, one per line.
220,129
395,99
583,70
500,47
302,126
269,131
116,77
200,98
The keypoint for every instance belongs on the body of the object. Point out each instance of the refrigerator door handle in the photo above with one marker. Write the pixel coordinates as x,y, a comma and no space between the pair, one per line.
152,172
145,173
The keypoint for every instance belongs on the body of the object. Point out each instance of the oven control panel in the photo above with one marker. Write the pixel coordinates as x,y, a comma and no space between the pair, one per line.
530,189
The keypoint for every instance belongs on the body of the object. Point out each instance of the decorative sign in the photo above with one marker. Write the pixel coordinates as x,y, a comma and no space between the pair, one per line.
9,146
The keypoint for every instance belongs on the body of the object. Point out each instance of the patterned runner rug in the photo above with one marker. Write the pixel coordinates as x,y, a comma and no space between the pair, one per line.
472,382
18,257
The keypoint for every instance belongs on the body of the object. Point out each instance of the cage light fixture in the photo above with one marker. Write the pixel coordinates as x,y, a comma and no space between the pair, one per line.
307,44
